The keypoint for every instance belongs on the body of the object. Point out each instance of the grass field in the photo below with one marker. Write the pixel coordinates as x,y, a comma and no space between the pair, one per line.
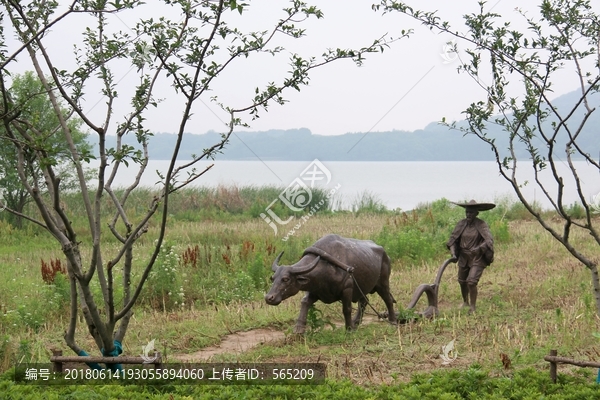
534,297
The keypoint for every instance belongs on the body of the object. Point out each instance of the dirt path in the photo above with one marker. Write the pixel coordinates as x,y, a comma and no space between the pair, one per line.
235,343
240,342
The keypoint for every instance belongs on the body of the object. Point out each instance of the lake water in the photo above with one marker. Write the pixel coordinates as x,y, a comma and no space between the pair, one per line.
400,184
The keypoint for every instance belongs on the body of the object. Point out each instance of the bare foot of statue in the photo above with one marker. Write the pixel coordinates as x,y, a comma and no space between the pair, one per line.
465,305
471,310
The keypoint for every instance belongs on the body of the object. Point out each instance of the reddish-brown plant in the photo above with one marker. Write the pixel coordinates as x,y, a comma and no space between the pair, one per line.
247,249
190,256
49,270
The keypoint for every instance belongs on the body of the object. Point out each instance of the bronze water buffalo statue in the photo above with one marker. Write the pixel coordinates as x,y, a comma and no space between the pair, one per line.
335,268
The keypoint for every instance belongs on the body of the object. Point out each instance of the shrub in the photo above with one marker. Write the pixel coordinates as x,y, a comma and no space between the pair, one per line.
500,233
258,272
240,288
367,202
420,235
59,292
409,244
32,317
163,288
575,210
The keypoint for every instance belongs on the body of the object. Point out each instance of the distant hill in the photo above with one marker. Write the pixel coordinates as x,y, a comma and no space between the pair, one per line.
433,143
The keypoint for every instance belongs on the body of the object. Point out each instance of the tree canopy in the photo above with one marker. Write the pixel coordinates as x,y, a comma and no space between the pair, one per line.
36,114
517,70
181,44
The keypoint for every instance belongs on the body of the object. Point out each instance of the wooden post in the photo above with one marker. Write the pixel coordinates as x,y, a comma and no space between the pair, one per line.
553,366
158,362
58,360
57,365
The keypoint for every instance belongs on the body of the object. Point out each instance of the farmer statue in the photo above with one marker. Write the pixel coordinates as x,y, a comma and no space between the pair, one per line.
472,245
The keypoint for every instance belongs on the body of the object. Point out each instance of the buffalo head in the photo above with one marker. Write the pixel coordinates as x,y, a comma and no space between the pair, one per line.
289,280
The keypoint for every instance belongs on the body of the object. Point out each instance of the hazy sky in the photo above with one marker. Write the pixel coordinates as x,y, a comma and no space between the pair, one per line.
410,85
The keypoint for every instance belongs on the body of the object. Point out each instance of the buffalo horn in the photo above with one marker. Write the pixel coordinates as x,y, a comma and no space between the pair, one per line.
276,262
306,268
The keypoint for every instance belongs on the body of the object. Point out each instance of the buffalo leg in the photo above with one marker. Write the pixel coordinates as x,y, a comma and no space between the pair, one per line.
383,288
305,304
347,308
362,303
384,293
